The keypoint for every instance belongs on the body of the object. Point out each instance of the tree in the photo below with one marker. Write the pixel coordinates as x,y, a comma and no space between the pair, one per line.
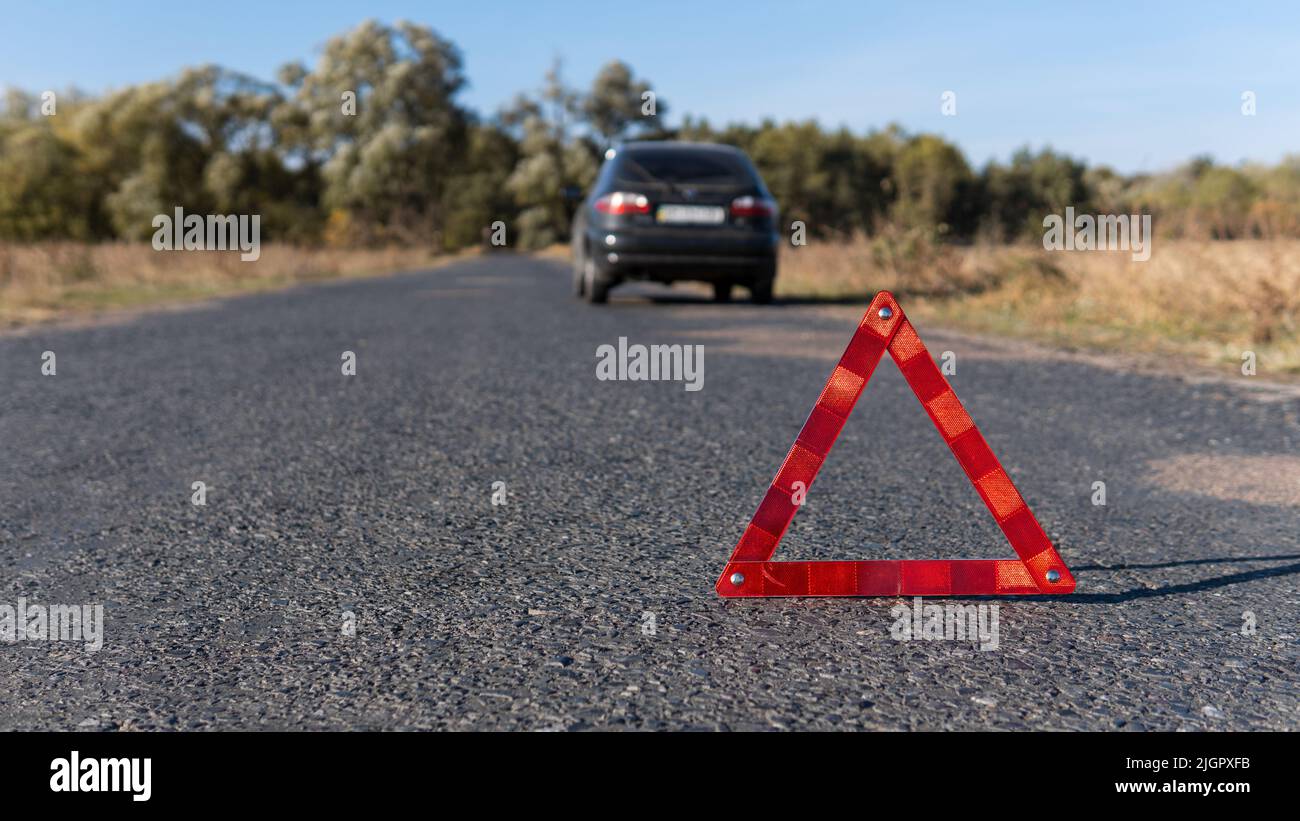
930,175
479,196
618,104
137,153
551,160
378,113
1018,196
41,195
1221,200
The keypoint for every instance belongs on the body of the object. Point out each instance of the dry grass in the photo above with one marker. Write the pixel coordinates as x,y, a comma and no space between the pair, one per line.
50,280
1207,300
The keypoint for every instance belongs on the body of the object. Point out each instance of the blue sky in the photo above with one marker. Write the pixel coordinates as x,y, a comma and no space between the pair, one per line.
1140,87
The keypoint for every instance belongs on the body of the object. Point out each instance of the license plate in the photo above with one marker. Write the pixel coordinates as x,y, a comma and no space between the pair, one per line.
691,214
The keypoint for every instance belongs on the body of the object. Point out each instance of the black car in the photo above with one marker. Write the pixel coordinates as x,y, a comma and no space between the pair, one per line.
672,211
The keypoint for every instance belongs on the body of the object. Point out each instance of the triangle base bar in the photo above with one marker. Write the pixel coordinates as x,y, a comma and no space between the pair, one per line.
958,577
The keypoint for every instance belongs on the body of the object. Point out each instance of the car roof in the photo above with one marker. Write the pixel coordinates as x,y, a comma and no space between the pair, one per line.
675,145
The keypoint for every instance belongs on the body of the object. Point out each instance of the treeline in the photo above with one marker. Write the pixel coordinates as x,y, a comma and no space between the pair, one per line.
841,183
372,147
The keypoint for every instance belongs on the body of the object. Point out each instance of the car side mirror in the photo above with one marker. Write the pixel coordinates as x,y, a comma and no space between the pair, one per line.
573,193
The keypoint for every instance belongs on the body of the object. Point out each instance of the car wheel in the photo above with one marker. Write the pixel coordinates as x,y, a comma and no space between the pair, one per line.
722,292
595,286
579,273
760,286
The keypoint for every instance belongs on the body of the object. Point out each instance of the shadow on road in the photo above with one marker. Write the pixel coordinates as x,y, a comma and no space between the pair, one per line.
1176,589
1126,566
667,297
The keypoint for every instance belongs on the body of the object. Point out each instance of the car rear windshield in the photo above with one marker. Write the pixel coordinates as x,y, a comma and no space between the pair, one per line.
678,167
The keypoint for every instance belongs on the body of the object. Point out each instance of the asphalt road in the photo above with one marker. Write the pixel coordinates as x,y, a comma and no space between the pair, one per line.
586,601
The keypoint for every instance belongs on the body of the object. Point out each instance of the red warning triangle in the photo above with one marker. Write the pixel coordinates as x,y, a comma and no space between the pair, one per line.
750,573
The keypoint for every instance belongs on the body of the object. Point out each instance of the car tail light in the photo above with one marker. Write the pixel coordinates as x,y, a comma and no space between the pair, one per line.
752,207
622,202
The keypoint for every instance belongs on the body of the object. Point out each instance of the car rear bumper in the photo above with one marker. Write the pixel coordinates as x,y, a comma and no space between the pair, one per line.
668,256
